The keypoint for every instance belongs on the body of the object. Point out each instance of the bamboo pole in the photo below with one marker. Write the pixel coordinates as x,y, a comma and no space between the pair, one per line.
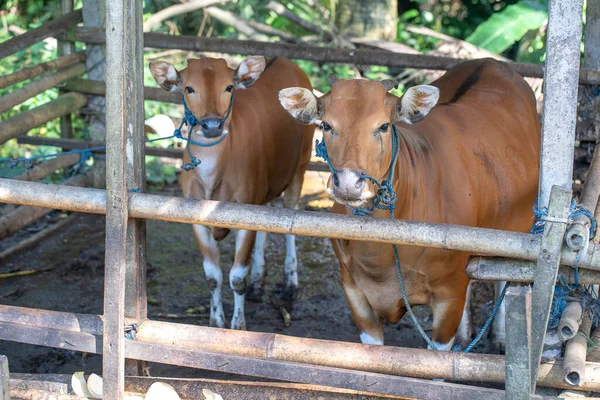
41,85
570,321
575,354
52,28
25,215
36,70
503,269
312,53
149,151
303,223
26,120
98,88
44,169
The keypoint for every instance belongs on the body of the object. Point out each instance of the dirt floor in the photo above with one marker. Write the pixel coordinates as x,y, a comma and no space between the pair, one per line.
72,280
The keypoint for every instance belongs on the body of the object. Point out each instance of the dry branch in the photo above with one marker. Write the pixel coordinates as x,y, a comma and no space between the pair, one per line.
175,10
233,20
25,215
282,11
52,28
41,85
43,170
26,120
36,70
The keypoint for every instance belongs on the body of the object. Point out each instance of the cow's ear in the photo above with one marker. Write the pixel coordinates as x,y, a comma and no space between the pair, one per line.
248,72
165,75
417,102
301,103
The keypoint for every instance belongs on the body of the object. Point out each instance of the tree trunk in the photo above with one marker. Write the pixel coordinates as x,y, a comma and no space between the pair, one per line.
372,19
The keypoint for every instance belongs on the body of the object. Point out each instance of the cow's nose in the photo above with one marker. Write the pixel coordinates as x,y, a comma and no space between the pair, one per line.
212,127
348,184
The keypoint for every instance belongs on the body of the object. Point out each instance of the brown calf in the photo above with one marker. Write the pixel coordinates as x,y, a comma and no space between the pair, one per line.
259,152
471,160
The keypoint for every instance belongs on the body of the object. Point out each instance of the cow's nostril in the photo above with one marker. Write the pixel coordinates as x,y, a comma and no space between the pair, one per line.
336,180
360,184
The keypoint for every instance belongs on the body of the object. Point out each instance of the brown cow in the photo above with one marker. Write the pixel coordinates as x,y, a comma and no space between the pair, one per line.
471,160
259,152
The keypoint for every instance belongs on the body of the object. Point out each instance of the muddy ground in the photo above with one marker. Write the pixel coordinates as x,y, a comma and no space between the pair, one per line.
72,261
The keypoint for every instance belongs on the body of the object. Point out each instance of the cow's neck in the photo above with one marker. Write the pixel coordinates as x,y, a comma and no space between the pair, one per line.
213,163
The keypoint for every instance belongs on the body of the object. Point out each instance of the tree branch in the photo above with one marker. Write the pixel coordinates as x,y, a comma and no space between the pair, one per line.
175,10
282,11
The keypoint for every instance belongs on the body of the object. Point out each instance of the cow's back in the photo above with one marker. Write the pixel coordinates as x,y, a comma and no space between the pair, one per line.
485,136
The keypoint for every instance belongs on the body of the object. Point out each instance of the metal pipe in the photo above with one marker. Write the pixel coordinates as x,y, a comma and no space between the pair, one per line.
303,223
506,269
26,120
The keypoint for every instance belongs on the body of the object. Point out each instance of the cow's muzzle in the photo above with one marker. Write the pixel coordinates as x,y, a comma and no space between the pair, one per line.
350,187
211,127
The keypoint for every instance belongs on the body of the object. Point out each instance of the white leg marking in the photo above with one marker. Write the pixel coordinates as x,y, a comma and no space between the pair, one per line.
443,346
258,260
464,328
237,281
365,338
498,327
213,273
290,269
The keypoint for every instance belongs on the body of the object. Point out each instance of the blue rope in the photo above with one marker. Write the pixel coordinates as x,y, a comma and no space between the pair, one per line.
188,119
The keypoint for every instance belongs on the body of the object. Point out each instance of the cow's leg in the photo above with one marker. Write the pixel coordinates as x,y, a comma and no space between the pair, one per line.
257,276
214,276
447,304
498,327
465,327
244,244
368,323
290,269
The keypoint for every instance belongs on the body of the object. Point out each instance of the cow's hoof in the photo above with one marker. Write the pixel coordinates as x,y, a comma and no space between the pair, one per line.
255,292
289,293
238,323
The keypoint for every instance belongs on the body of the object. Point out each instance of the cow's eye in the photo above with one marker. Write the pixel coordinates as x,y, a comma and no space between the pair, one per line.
190,89
325,126
229,88
384,127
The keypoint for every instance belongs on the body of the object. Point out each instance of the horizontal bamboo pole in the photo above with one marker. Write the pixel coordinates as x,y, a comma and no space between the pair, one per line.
41,85
36,70
149,151
51,28
25,215
46,168
26,120
98,88
304,223
506,269
305,52
411,362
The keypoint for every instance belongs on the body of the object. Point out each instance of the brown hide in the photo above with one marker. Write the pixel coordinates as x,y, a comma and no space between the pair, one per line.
265,148
474,160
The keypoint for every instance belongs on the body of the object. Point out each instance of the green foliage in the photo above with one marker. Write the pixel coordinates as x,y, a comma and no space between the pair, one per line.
505,28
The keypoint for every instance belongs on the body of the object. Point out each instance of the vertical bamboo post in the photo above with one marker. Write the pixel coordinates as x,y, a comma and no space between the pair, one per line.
135,276
65,48
123,94
561,77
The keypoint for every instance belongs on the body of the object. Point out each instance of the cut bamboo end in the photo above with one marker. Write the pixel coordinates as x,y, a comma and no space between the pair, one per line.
570,321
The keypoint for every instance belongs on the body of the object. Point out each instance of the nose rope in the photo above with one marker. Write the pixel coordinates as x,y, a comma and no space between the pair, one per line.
383,200
191,121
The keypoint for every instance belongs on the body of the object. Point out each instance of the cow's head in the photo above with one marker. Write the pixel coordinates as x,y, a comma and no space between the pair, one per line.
207,85
357,117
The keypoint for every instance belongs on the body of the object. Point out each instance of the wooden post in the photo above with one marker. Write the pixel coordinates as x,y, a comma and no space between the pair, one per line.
518,342
4,379
64,49
94,15
124,155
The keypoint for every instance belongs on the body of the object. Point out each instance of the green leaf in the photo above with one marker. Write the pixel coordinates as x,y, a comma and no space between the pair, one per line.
503,29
